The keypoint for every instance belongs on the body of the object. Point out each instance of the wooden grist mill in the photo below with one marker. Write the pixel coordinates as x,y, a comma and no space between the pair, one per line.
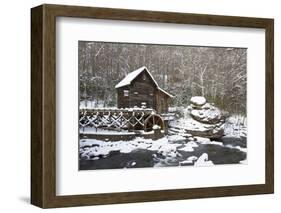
141,104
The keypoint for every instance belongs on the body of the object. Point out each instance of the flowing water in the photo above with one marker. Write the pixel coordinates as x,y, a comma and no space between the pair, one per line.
233,151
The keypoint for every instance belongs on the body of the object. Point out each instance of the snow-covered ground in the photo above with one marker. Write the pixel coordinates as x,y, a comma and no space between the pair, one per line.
103,131
94,148
178,148
87,104
236,126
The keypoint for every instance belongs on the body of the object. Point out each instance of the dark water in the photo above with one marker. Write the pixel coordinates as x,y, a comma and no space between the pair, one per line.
136,159
141,158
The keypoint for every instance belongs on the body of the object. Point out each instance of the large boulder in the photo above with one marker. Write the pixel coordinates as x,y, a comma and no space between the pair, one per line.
198,100
206,114
204,120
195,128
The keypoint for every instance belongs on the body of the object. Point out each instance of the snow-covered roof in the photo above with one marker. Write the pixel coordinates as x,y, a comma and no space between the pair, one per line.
165,92
132,75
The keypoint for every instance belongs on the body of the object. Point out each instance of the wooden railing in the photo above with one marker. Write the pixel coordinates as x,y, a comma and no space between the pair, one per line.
114,117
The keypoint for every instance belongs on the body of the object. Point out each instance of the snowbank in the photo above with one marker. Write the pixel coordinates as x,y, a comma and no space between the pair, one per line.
236,126
189,161
91,147
203,161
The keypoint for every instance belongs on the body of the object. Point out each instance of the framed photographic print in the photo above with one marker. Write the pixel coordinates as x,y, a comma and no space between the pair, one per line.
136,106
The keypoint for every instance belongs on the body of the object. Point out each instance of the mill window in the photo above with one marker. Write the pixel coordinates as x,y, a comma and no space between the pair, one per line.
126,93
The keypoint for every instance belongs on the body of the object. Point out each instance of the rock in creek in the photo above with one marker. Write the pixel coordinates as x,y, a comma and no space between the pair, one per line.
205,120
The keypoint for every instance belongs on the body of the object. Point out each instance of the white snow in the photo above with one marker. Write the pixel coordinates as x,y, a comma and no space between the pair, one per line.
99,131
192,144
192,158
96,151
169,150
191,124
202,140
146,133
175,138
207,106
116,110
182,163
205,141
207,114
189,147
95,158
93,147
198,100
90,104
236,126
168,116
155,127
237,147
189,160
203,161
244,162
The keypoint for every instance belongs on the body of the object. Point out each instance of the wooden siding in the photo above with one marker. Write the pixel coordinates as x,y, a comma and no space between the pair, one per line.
143,89
162,101
122,101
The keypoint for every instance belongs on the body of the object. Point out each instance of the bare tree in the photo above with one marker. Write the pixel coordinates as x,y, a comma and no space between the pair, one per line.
219,74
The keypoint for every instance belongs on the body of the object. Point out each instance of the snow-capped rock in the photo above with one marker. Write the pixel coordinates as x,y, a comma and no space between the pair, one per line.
205,120
198,100
176,138
189,161
207,106
195,128
209,115
189,147
168,151
203,161
155,127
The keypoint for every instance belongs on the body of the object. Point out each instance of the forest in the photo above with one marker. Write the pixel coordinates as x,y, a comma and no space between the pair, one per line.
217,73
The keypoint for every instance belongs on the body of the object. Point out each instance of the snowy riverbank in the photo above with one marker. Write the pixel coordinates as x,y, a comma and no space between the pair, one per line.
171,150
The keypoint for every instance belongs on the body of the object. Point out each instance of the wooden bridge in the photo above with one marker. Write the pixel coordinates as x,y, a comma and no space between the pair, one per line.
115,118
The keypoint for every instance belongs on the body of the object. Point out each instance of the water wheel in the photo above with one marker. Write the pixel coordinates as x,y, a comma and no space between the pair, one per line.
152,120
